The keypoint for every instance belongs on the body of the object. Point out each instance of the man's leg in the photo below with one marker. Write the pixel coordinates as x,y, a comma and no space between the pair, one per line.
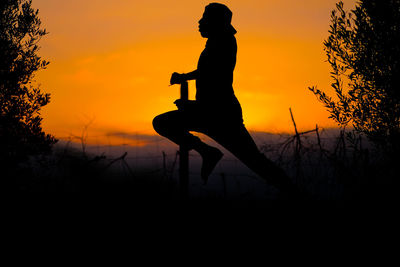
239,142
175,125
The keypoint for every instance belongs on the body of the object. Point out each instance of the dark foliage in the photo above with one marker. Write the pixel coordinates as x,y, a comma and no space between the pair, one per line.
363,50
21,134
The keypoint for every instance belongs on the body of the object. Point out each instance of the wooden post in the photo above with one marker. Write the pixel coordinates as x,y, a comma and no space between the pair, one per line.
184,154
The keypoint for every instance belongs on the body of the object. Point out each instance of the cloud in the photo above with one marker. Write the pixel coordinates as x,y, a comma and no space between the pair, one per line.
138,137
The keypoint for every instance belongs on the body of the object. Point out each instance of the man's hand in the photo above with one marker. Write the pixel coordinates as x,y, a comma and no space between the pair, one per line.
180,103
184,104
177,78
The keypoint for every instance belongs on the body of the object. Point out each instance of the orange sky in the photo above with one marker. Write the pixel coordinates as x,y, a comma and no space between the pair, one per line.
111,61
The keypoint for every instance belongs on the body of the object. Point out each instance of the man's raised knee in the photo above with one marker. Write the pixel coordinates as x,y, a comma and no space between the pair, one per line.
158,124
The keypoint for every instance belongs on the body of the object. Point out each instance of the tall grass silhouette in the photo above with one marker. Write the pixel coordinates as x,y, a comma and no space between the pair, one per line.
331,165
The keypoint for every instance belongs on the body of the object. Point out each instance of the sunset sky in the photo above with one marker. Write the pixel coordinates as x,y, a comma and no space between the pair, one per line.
111,61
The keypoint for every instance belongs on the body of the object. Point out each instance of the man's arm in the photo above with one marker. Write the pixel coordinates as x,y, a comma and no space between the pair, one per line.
191,75
177,78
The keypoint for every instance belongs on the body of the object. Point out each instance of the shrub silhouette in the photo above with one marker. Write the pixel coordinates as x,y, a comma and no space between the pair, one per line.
364,52
21,100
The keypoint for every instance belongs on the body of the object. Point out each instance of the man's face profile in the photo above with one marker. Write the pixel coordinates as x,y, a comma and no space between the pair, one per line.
204,25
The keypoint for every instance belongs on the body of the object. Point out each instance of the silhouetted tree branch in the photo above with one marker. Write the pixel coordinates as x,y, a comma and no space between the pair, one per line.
363,50
21,100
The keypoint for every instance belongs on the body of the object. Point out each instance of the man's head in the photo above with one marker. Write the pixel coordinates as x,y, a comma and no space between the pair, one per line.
216,20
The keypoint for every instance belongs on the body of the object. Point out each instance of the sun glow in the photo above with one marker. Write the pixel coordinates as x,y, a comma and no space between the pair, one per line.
111,63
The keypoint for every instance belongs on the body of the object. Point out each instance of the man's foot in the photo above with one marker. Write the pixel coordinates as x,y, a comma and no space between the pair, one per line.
210,160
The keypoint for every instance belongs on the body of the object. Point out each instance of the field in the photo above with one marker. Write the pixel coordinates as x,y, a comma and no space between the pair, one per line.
330,166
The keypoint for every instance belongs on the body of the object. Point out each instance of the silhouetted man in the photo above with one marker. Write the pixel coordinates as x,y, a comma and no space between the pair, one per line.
216,111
